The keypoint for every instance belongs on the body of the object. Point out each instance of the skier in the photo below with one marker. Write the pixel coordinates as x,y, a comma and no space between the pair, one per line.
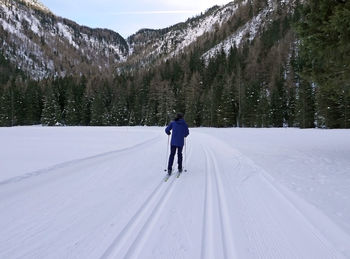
179,132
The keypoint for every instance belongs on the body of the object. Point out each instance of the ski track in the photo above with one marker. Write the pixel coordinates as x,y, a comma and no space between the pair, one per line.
226,227
139,226
212,248
240,211
104,156
268,216
134,250
208,232
75,180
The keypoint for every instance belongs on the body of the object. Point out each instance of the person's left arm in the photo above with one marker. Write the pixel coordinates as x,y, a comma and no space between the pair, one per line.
187,132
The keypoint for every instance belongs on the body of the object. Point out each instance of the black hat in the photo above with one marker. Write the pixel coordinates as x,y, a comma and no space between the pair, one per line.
179,116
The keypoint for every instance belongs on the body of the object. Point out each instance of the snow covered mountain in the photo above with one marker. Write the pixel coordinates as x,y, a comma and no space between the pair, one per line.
253,27
230,25
148,45
42,44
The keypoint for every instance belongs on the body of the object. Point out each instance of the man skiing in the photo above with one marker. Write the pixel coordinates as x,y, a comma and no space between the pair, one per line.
180,131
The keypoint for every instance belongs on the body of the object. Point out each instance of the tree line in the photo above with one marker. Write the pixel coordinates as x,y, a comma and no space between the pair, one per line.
284,78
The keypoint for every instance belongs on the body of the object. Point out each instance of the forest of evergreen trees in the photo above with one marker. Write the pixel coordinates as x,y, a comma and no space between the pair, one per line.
281,79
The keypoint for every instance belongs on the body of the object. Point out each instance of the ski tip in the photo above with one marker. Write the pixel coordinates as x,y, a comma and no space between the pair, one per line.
166,178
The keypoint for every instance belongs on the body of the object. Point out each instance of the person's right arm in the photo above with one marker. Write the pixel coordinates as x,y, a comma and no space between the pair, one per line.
167,130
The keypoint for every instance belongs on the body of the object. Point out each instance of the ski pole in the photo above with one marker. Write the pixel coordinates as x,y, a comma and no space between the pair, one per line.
185,156
167,154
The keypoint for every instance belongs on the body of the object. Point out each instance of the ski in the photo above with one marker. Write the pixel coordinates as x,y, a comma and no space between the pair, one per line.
166,178
179,173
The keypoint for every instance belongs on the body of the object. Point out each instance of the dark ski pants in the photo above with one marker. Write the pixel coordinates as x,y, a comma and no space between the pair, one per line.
172,155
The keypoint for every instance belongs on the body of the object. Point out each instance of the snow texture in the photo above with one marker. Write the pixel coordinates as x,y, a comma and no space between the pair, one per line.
92,192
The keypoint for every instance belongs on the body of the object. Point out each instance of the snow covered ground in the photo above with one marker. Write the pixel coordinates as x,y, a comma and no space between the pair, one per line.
91,192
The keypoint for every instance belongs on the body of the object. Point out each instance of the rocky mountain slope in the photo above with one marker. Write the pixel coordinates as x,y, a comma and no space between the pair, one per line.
148,45
42,44
253,27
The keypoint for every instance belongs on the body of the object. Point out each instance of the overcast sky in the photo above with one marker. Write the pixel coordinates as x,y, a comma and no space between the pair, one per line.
128,16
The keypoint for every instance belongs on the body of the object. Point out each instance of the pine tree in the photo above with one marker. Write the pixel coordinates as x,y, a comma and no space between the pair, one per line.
230,105
98,111
252,93
192,99
86,110
51,114
5,106
306,105
278,104
331,106
71,110
167,103
263,107
33,103
239,89
120,113
153,106
291,107
17,101
324,48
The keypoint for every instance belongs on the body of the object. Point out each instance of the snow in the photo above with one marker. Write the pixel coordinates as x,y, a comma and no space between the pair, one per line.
18,37
30,144
36,4
97,192
20,42
251,29
36,26
176,40
67,33
206,25
8,27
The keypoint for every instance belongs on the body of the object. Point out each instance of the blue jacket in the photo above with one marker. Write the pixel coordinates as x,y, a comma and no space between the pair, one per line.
180,131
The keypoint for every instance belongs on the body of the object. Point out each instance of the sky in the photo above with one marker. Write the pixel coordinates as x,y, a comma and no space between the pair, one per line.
127,17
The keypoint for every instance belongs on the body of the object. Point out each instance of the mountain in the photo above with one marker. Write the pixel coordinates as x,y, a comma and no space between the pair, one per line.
42,44
254,26
249,63
230,66
149,45
232,25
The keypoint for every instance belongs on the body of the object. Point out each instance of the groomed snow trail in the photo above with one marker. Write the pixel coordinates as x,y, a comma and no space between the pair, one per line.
116,205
